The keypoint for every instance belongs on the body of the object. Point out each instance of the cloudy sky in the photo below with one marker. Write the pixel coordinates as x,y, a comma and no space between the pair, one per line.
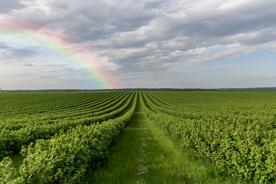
146,43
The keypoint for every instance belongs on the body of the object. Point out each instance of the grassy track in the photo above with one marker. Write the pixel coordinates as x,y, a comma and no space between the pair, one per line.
144,154
122,165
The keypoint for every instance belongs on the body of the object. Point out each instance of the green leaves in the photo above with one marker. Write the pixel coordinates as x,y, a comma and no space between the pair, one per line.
241,142
12,140
8,174
67,156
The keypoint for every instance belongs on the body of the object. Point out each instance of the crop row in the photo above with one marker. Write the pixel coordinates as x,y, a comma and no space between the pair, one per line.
244,147
91,105
66,157
26,103
11,141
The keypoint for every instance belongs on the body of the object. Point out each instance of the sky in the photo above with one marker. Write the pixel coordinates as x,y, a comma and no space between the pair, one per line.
94,44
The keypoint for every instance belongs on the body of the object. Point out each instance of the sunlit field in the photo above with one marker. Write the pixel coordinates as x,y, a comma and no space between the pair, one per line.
138,137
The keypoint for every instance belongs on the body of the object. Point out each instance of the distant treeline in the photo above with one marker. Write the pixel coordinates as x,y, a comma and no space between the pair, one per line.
145,89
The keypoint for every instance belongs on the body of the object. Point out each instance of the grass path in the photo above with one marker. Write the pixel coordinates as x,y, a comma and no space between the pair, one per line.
144,154
124,159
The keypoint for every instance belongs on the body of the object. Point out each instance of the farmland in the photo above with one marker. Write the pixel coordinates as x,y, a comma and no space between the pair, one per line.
138,137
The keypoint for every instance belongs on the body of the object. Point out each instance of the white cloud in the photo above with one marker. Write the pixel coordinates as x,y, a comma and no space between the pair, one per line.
134,37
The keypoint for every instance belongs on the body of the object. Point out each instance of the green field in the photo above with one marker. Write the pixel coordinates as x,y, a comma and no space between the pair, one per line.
136,137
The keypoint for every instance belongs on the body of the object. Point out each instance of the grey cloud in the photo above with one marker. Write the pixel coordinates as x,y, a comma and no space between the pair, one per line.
28,65
91,20
147,37
19,51
9,5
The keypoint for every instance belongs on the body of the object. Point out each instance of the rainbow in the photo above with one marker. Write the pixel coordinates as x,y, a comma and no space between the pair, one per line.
70,50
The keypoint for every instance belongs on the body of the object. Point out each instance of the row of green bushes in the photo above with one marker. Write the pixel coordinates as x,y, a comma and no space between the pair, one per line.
67,157
71,110
245,149
12,141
